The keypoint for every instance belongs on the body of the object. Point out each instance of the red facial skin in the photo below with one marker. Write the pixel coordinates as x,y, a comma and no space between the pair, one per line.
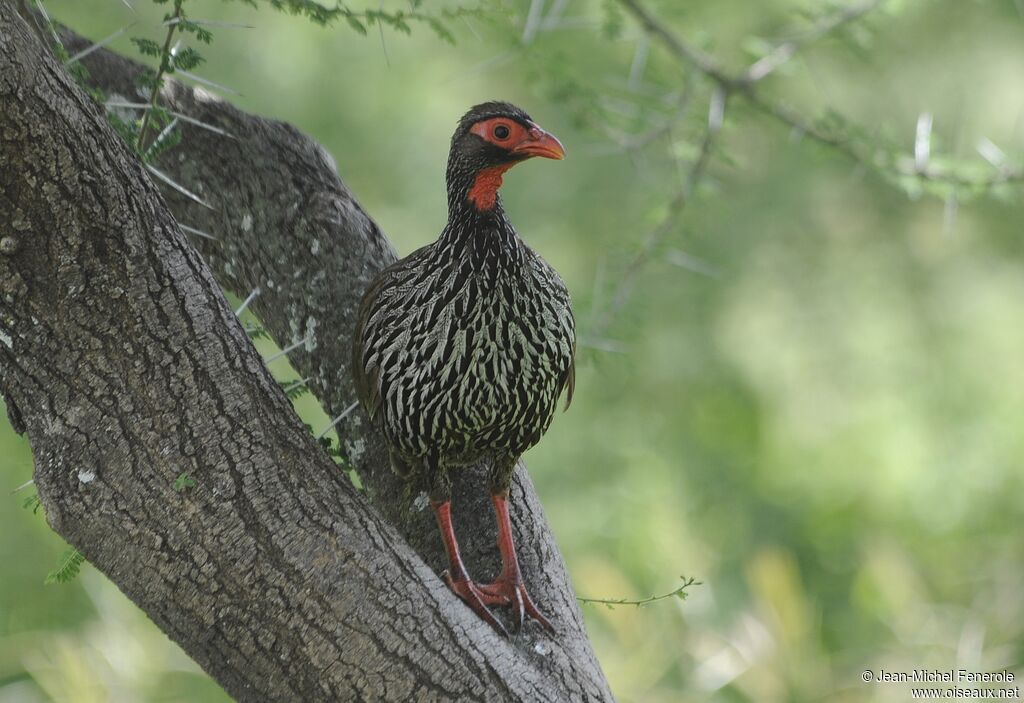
519,140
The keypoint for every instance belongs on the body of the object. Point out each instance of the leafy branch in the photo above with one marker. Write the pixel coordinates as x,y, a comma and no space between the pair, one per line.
295,389
67,568
32,503
831,132
913,172
169,61
360,20
610,603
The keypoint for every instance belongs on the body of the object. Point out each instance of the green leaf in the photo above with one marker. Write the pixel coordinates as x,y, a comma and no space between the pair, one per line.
128,130
356,24
201,33
32,502
614,21
440,29
182,482
294,389
147,47
187,59
148,80
67,568
313,10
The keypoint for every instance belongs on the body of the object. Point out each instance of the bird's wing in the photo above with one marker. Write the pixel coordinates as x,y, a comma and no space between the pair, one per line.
569,381
551,282
367,378
367,382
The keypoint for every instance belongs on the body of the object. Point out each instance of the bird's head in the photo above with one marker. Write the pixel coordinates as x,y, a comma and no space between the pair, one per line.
492,138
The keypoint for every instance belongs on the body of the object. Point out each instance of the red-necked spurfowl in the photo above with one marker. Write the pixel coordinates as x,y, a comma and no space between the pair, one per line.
463,348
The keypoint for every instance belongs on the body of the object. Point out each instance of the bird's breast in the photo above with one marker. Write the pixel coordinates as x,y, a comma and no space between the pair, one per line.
475,363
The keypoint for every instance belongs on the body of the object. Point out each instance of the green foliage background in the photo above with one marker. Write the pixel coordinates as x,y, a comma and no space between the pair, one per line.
822,423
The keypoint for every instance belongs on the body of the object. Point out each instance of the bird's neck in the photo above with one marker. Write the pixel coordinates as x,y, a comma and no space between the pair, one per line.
477,225
472,184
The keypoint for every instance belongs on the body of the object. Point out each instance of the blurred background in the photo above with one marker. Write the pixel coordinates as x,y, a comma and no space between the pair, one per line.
805,388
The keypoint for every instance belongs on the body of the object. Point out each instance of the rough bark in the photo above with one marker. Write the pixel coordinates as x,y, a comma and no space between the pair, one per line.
125,365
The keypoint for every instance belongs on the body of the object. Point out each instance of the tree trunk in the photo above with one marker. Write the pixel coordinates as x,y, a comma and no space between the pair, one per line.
127,368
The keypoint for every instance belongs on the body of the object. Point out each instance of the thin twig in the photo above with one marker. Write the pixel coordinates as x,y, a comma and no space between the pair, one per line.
197,232
100,44
23,486
288,350
744,83
344,413
785,51
178,187
682,50
206,82
923,141
208,23
297,384
245,303
179,115
635,142
533,19
845,145
612,602
49,23
692,263
164,133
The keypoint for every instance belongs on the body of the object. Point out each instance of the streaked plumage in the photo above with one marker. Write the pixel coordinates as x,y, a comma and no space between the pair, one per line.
463,348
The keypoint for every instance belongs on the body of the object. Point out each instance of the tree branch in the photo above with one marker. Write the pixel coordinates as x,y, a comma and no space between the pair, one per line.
767,64
745,84
603,318
129,369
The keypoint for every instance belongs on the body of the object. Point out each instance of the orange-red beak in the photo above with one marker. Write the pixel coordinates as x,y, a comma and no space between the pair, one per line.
540,143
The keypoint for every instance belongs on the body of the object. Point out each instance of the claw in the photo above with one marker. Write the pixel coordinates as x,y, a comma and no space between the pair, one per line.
507,589
507,592
476,599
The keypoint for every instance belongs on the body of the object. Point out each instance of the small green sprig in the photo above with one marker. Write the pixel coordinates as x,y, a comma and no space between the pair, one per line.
170,60
153,80
610,603
32,503
295,389
399,20
67,568
257,331
183,482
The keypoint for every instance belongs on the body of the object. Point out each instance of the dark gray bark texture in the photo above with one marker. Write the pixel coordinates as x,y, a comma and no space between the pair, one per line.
124,363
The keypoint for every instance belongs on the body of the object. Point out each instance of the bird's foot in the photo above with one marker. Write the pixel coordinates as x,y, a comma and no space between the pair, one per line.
512,591
477,599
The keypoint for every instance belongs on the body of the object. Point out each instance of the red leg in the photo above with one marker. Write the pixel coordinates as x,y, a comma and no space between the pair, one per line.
456,577
508,587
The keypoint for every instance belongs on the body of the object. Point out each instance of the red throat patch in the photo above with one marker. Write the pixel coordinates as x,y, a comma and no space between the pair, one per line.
485,188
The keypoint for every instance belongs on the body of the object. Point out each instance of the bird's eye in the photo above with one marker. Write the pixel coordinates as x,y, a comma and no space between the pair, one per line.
501,132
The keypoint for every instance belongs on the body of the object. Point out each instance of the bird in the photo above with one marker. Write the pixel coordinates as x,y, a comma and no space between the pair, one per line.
463,348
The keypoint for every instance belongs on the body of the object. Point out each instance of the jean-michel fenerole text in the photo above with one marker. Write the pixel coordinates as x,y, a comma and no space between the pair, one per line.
945,676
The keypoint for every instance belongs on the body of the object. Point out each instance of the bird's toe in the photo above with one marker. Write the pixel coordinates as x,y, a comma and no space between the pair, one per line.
476,599
506,592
